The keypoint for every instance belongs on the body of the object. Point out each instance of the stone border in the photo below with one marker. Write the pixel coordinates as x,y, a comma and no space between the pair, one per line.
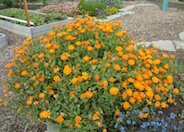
3,41
31,31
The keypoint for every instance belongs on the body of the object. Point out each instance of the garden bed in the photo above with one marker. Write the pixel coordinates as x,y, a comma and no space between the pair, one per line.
3,40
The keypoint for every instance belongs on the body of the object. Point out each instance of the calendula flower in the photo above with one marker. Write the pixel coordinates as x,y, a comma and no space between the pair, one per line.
67,70
114,91
176,90
56,78
24,73
87,94
17,86
78,119
126,105
41,95
44,114
59,119
131,62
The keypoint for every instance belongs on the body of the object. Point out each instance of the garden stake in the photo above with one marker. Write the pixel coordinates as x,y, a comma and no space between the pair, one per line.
26,12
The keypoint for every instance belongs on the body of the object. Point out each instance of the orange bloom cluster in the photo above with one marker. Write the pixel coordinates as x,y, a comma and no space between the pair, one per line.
92,69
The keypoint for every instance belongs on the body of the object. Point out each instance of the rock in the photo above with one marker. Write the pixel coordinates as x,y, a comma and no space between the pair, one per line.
181,35
179,44
165,45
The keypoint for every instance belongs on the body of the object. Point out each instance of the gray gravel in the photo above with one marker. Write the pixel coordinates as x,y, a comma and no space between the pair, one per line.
151,24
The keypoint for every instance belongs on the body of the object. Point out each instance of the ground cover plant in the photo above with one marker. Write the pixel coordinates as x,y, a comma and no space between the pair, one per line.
90,76
37,19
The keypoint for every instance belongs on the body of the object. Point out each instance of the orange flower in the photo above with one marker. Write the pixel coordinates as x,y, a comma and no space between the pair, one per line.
9,65
59,119
117,67
51,92
155,79
72,93
126,105
56,69
78,119
131,62
56,78
169,79
67,70
145,115
163,105
24,73
42,55
36,64
119,48
176,90
41,95
96,116
125,57
157,104
87,94
132,100
17,85
86,58
114,91
71,47
129,92
157,97
65,56
44,114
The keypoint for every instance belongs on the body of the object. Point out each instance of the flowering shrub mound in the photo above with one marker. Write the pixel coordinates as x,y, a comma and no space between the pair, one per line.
82,75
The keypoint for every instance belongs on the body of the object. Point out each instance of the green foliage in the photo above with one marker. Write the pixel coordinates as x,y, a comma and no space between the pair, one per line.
91,7
7,3
36,18
111,11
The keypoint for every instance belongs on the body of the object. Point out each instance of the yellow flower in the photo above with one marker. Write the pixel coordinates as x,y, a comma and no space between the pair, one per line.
176,90
44,114
155,79
67,70
114,91
86,58
129,92
119,48
65,56
71,47
56,69
56,78
84,75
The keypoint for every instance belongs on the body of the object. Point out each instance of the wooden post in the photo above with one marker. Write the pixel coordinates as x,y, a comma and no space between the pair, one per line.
165,5
26,12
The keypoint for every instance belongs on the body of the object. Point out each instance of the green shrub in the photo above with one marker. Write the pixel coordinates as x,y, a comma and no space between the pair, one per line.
7,3
90,7
111,11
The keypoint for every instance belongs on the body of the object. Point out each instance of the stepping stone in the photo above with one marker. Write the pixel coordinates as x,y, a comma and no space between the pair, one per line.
165,45
179,44
181,35
3,41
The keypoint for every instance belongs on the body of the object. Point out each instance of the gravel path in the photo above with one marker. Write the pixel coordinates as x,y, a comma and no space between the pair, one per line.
150,23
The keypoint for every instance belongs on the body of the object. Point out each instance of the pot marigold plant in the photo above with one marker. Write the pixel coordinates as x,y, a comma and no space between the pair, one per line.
83,74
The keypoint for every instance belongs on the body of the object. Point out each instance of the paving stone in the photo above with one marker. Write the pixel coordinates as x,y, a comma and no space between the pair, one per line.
165,45
179,44
3,41
181,35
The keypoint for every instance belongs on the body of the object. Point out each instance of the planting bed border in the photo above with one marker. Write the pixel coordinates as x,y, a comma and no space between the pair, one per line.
32,32
3,41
